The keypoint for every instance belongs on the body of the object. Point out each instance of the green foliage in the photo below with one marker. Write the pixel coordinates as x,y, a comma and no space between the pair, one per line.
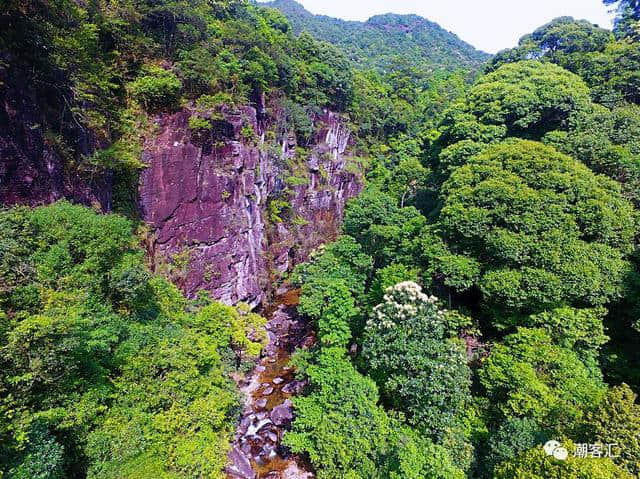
616,420
156,88
378,42
385,231
543,228
198,124
515,436
173,404
389,276
419,369
607,65
418,458
344,261
277,208
528,376
338,424
528,95
579,330
535,464
604,140
407,180
43,457
105,367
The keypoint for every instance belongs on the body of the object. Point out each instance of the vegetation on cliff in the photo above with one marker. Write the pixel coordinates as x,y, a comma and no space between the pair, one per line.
521,219
483,299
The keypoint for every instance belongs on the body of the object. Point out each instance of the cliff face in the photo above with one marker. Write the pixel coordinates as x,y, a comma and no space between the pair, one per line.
32,169
226,214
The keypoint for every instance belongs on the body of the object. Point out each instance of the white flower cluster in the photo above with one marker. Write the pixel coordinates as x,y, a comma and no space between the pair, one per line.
402,302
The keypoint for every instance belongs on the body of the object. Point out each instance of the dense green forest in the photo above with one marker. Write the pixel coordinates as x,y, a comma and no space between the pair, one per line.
483,298
386,41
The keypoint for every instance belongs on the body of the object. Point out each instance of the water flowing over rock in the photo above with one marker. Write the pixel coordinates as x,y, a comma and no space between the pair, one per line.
265,418
207,200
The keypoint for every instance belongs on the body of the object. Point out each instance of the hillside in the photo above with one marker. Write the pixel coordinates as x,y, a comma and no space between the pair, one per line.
230,249
378,42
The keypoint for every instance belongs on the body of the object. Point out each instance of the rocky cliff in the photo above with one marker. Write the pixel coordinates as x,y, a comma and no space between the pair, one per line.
233,208
33,167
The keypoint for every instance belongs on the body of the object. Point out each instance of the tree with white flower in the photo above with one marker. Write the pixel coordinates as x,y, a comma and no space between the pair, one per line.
421,370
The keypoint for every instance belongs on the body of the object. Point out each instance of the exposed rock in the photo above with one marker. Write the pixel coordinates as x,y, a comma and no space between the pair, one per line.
32,169
293,387
282,414
240,466
263,422
206,200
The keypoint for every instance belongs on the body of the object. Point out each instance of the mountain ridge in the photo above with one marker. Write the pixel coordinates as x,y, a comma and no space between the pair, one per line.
381,39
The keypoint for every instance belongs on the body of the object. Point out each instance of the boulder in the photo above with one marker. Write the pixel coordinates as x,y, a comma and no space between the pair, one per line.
282,414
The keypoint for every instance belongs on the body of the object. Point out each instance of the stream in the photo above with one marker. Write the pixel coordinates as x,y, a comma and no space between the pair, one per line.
256,451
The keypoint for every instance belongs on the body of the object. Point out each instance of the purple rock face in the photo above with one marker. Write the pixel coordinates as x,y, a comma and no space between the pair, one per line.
206,200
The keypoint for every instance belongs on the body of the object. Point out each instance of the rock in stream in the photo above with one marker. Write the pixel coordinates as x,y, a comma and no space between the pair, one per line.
256,451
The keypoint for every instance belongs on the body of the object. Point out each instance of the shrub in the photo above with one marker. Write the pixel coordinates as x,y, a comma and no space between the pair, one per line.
156,88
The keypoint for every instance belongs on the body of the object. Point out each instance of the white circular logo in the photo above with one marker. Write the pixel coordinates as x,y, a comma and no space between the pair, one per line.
555,449
551,446
560,453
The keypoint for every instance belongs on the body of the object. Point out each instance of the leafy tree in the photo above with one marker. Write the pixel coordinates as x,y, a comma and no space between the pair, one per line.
528,376
616,420
343,261
544,229
514,437
103,367
387,277
603,139
535,464
156,88
628,12
418,367
607,65
527,96
579,330
415,457
43,458
563,41
386,232
407,180
338,424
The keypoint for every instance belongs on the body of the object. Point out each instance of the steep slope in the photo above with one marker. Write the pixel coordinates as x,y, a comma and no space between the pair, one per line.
381,40
230,212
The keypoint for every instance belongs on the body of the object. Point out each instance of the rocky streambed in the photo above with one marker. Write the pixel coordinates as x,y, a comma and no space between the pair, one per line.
256,451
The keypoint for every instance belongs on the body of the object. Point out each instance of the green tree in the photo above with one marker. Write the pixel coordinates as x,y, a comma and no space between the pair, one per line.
535,464
389,276
514,437
528,376
419,368
339,424
156,88
386,232
545,230
616,420
579,330
528,96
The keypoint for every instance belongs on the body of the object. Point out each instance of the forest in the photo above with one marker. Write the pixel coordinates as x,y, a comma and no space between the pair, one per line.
481,299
